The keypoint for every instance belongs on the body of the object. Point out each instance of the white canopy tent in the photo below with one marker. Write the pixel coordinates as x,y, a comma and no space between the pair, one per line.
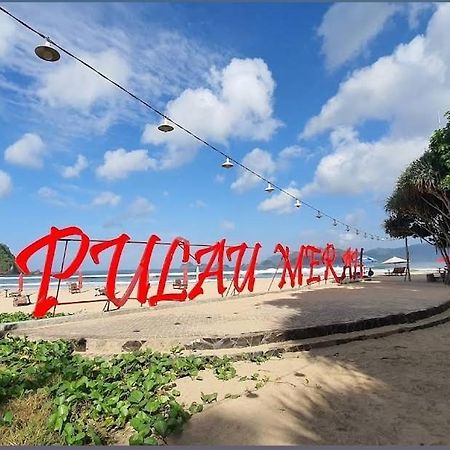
395,260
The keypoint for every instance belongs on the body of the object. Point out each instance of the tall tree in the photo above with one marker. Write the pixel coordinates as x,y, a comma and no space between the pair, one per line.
420,203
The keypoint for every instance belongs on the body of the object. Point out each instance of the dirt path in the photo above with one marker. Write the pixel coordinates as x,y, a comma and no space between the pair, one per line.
389,391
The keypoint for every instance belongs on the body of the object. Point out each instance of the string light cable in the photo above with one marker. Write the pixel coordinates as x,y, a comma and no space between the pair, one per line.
181,127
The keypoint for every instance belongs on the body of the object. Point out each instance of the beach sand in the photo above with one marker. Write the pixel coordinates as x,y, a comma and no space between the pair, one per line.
388,391
95,303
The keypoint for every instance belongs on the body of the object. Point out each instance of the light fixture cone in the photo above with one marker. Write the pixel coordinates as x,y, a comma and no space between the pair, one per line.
165,126
319,215
298,203
47,52
334,223
227,164
269,188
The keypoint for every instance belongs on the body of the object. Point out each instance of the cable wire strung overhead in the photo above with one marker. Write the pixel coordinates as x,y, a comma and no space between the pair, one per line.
49,52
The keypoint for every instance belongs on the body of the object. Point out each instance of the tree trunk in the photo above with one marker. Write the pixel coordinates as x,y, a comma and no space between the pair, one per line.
446,257
408,273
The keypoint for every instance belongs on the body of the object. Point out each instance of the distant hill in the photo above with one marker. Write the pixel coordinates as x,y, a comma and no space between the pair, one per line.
418,253
7,261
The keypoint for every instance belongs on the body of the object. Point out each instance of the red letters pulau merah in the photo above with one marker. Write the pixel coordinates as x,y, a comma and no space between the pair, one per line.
212,257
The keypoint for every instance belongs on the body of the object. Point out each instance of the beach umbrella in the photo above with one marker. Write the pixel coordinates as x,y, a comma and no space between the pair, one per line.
80,280
440,260
395,260
21,282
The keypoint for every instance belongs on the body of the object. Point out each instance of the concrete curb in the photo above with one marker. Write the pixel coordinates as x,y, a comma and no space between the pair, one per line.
25,324
294,334
270,350
280,341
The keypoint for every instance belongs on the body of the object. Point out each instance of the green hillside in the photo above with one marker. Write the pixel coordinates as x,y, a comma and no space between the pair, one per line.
7,262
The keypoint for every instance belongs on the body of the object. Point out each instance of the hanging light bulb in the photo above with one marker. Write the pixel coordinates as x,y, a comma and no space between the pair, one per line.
347,229
298,203
269,188
334,223
47,52
227,164
165,126
319,215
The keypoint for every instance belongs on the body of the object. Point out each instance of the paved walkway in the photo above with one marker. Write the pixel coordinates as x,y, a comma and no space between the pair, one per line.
179,323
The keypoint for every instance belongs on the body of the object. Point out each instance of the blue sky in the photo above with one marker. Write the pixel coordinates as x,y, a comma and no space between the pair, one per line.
330,101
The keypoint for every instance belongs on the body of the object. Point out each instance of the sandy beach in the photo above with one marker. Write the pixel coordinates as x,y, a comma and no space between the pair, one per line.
90,301
389,391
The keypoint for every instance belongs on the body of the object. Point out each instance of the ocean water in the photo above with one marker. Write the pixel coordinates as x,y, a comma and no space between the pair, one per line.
98,278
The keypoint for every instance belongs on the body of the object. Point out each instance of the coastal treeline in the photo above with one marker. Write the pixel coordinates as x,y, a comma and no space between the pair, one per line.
419,206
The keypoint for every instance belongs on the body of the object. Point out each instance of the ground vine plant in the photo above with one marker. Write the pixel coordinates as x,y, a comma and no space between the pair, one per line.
94,398
20,316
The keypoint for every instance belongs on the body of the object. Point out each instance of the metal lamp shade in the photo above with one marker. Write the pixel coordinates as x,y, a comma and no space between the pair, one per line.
47,52
227,164
269,188
165,126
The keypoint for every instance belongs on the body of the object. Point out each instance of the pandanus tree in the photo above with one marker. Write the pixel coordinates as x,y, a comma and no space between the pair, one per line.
419,207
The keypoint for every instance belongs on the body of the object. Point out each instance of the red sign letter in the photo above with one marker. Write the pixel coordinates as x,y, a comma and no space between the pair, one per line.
44,304
288,268
310,250
328,258
217,251
250,273
177,242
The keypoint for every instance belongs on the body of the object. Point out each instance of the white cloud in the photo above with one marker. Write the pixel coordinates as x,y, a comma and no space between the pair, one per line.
414,11
7,35
28,151
236,104
228,225
76,169
198,204
140,208
355,217
5,184
72,85
263,163
76,99
288,154
219,178
118,164
347,29
384,90
106,198
406,90
51,196
259,161
279,202
357,167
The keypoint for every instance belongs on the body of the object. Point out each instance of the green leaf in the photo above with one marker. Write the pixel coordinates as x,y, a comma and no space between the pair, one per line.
195,408
161,427
139,425
152,406
136,396
150,441
8,418
136,439
209,398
